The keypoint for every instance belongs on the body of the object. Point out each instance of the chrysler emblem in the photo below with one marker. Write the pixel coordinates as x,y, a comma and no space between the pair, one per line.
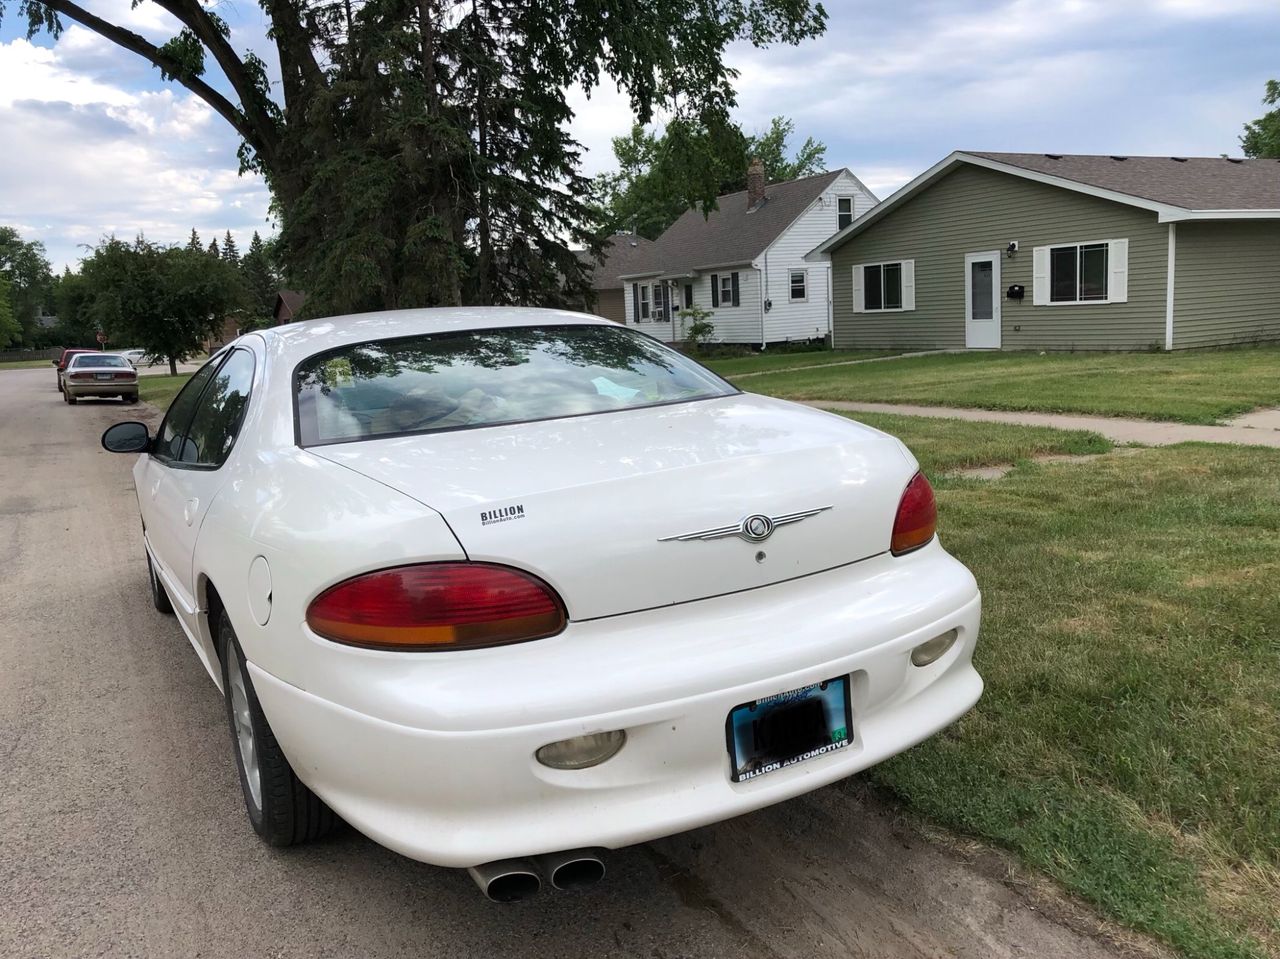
755,528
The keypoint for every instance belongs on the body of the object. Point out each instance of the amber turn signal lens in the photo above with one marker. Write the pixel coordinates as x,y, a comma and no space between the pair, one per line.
917,518
438,606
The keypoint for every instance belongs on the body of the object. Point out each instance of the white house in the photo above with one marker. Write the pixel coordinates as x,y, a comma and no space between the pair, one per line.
745,261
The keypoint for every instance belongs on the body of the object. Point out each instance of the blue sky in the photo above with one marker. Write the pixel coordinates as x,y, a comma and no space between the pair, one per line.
96,143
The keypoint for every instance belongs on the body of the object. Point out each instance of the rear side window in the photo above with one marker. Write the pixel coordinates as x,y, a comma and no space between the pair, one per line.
219,413
475,378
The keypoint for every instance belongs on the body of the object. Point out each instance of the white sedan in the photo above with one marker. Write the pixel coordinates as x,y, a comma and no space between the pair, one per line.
501,587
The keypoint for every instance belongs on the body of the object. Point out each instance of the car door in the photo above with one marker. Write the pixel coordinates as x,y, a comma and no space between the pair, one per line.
185,472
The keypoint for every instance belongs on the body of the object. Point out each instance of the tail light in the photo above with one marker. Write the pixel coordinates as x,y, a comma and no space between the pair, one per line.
126,376
917,518
438,606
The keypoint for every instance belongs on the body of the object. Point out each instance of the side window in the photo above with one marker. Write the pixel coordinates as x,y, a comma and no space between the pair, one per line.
173,428
219,413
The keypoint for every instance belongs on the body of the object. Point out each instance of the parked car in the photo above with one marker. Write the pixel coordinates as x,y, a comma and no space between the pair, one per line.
136,357
501,587
61,362
99,374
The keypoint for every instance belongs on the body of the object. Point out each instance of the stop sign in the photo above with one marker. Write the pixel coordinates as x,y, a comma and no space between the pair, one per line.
102,338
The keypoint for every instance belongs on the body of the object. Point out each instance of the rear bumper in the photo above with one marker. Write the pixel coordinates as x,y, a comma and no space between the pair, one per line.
101,388
462,787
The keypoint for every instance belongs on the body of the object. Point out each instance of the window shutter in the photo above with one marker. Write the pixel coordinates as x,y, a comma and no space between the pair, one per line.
1118,268
735,288
1039,276
908,284
715,290
635,302
859,301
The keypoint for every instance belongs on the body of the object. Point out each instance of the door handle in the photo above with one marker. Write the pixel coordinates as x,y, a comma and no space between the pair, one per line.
189,509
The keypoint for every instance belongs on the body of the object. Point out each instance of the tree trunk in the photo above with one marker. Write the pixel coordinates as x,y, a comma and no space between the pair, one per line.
173,366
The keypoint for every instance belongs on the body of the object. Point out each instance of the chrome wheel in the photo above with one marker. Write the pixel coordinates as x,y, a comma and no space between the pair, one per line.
244,727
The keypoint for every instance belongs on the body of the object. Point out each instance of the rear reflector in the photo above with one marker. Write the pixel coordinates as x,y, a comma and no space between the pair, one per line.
438,606
917,518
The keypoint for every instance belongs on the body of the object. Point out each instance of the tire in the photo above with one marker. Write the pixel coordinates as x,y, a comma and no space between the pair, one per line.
71,400
132,398
282,810
159,598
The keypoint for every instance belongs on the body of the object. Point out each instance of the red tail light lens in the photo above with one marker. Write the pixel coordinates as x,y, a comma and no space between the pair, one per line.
917,518
438,606
79,376
127,376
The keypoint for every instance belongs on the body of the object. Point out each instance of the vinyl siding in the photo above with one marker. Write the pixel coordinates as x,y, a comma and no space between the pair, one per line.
973,210
1226,283
740,324
808,319
609,304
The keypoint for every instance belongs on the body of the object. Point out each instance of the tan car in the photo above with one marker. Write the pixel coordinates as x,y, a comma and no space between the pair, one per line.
100,374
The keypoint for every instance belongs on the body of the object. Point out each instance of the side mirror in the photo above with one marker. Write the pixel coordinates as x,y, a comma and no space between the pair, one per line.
128,437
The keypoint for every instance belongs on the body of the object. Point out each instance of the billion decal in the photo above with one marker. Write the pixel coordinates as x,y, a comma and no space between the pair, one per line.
490,516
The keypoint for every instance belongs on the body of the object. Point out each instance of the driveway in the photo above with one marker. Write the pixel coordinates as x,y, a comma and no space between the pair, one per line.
122,830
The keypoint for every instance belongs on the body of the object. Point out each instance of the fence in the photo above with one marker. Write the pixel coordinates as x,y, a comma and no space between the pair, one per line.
9,356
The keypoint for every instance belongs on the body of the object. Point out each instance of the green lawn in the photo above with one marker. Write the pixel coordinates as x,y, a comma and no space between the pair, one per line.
766,362
1127,741
1194,387
159,391
26,364
943,445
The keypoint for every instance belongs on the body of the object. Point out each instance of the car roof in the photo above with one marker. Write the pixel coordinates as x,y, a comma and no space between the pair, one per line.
296,341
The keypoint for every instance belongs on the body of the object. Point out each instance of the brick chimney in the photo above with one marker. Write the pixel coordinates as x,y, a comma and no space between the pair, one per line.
755,183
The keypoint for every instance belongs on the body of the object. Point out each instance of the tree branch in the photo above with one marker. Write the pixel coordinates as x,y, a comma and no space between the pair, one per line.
150,52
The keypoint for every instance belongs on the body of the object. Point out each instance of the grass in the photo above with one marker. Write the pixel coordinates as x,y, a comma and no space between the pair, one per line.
1126,743
26,364
943,445
159,391
1192,387
768,362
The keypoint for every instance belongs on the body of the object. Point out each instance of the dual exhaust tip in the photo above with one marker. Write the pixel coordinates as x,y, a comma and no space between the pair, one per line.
510,880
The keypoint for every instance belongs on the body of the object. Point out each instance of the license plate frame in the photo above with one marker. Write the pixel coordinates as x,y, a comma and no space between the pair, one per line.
103,376
775,732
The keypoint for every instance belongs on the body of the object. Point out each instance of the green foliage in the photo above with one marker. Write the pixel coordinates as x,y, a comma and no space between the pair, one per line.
10,328
194,243
165,300
30,279
1262,137
696,327
261,283
418,153
688,165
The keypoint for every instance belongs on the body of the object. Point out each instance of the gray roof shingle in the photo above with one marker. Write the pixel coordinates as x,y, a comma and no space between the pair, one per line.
621,254
732,234
1194,183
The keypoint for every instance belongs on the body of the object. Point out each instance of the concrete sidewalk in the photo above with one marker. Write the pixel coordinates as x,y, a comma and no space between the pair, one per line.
823,366
1146,432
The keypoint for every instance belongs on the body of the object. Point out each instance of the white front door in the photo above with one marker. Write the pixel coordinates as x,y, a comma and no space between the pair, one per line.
982,301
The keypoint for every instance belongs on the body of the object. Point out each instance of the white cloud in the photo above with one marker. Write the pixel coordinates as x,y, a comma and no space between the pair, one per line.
99,158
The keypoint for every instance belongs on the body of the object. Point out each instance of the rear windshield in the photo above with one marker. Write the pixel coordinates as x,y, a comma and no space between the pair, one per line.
473,378
97,359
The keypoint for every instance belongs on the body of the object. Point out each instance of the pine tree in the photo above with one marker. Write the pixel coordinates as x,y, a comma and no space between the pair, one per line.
213,249
260,280
229,251
194,243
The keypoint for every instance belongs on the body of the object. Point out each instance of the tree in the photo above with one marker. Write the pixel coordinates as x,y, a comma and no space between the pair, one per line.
229,251
166,300
1262,137
26,268
688,165
194,243
260,280
10,328
417,154
213,250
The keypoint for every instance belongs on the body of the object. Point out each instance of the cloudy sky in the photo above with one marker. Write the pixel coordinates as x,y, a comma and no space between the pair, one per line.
94,142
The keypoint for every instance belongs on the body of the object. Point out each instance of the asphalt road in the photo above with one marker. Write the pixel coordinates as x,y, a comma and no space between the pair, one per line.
122,831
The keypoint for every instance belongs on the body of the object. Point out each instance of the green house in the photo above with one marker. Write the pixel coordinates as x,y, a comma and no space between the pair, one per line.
1042,251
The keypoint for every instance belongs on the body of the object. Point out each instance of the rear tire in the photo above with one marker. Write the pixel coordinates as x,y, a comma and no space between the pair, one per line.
71,400
282,810
159,598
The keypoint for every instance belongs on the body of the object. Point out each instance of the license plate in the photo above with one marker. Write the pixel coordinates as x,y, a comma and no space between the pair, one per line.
779,731
102,376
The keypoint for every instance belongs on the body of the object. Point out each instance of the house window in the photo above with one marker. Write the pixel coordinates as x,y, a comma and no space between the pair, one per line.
1078,273
724,289
799,286
844,211
882,286
644,304
688,295
661,302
